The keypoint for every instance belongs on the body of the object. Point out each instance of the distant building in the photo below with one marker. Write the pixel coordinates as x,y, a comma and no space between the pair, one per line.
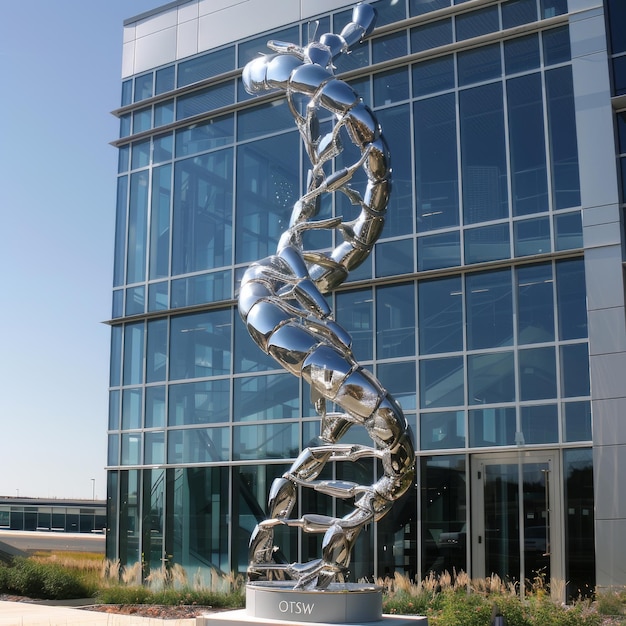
41,514
492,308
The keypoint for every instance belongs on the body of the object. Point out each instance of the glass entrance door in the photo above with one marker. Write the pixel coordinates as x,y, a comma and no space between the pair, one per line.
515,516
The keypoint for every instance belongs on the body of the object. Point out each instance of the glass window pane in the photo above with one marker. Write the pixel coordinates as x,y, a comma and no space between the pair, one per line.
532,236
389,11
125,125
389,47
521,54
580,564
143,87
540,424
123,159
118,303
154,447
571,299
489,304
205,136
248,50
489,308
133,353
195,290
535,315
204,100
442,382
491,378
156,357
206,402
537,373
444,513
142,120
400,379
132,405
140,154
205,66
114,409
529,184
442,430
354,310
127,93
436,168
556,45
562,134
131,448
160,221
492,427
576,421
274,396
115,369
568,231
202,215
483,155
200,344
394,257
575,370
391,86
263,120
113,449
266,441
419,7
198,445
137,227
488,243
164,80
395,319
155,407
135,300
479,64
517,12
438,251
432,35
399,218
476,23
267,171
163,113
120,230
550,8
158,296
440,305
432,76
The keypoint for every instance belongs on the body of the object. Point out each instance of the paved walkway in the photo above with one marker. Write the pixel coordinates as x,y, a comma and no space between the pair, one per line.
27,614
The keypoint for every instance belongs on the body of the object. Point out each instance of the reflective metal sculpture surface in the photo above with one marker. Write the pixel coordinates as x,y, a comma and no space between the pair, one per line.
282,303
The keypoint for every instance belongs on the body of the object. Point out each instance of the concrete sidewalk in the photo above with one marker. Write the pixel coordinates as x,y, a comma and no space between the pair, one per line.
27,614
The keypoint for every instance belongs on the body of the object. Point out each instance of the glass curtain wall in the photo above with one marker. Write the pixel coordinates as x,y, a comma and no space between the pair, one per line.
471,310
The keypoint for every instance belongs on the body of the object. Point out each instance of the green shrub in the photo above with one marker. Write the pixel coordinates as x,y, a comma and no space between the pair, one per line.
611,602
458,608
403,603
27,577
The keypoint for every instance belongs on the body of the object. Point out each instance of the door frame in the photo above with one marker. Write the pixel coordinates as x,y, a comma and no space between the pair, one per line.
555,511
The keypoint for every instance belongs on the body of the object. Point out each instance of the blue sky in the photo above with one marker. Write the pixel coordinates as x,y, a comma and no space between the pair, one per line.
60,67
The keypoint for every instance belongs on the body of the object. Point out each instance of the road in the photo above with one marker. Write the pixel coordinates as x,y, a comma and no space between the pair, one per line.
67,542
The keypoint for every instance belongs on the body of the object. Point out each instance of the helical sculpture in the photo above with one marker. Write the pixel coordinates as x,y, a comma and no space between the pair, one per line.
281,301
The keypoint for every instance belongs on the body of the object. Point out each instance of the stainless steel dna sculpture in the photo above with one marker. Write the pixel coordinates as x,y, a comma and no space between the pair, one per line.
282,303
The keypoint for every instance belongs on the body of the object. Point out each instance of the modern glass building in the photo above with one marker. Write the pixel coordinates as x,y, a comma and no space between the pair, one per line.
492,307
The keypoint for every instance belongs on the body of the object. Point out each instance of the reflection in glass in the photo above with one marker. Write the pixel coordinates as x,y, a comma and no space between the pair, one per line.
401,378
394,257
444,514
198,445
432,76
395,318
532,236
440,306
491,378
575,370
492,427
571,299
137,227
489,304
156,356
133,353
576,421
568,231
521,54
155,407
540,424
266,441
442,430
479,64
442,382
476,23
438,251
275,396
354,310
483,154
487,243
206,402
431,35
535,309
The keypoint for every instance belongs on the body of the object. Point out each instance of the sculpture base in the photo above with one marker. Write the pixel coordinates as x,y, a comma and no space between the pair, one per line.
341,603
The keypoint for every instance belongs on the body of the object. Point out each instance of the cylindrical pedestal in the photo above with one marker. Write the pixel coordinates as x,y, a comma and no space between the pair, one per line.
341,603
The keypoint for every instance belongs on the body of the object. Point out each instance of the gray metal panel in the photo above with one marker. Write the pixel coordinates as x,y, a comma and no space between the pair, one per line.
609,464
610,552
608,328
603,271
609,424
608,376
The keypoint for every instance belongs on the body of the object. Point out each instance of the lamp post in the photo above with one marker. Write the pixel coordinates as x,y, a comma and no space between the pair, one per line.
93,488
